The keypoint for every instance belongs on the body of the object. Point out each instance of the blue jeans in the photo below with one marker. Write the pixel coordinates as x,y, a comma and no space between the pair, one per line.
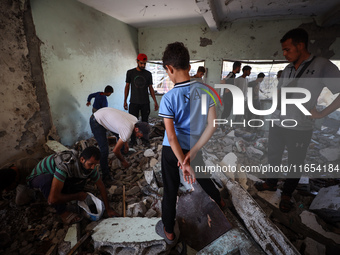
99,133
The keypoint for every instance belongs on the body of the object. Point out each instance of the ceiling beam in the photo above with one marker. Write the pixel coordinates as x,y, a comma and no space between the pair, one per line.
332,17
208,10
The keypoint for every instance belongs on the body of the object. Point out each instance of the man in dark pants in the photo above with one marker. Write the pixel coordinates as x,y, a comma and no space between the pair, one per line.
227,96
124,126
316,73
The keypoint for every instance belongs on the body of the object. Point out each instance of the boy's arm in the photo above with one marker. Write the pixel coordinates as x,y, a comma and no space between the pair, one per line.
89,98
205,137
188,173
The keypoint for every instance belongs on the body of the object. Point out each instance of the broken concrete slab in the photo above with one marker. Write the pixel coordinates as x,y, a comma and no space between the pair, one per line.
313,247
235,241
199,218
309,219
55,146
327,204
331,154
136,235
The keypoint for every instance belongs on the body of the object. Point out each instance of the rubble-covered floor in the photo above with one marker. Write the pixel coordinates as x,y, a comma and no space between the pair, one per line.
35,228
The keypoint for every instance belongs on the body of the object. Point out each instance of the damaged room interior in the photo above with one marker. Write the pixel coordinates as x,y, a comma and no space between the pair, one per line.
60,58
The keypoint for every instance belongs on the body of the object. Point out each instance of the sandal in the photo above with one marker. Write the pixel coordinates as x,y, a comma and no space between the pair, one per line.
286,205
161,232
71,218
261,186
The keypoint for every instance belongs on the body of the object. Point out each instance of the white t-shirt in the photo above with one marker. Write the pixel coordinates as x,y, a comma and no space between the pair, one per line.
242,83
117,121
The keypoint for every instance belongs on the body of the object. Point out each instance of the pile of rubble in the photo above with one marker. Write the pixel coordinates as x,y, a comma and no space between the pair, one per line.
137,192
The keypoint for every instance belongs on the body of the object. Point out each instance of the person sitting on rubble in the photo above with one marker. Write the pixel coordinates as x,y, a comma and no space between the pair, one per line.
123,125
13,176
186,133
61,177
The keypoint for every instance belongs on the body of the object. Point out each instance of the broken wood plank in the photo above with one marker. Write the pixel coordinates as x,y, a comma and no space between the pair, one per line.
80,242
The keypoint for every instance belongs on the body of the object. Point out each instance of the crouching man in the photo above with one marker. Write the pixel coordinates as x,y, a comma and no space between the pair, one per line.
123,125
61,177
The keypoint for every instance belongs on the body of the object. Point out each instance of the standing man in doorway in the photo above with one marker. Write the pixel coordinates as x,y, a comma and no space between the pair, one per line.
139,80
227,96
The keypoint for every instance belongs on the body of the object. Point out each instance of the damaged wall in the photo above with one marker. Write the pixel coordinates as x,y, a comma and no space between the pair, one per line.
24,113
83,50
241,40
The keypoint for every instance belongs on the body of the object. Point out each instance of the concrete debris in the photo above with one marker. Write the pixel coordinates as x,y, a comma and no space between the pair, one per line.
149,153
313,247
331,154
327,204
136,235
309,219
28,229
266,234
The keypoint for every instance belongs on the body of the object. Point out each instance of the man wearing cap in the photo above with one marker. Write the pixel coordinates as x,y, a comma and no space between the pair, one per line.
140,80
124,126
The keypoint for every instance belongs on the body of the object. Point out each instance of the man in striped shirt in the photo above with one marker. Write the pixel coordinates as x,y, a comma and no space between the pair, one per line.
61,178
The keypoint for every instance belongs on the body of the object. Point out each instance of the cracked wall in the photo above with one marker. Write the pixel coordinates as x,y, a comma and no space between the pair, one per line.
83,50
24,119
241,40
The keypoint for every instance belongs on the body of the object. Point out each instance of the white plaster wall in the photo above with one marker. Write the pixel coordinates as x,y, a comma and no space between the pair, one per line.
82,50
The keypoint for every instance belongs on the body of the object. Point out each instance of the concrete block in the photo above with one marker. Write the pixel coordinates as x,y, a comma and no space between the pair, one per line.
55,146
128,236
149,153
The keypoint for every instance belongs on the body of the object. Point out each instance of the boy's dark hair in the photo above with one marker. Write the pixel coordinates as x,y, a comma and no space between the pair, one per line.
261,75
246,68
89,152
108,89
201,69
236,64
144,128
177,55
297,35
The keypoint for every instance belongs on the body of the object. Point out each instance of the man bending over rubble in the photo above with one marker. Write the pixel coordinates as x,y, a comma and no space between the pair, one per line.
186,133
123,125
61,177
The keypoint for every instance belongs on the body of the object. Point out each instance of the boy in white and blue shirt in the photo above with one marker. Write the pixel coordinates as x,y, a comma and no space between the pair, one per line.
187,131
